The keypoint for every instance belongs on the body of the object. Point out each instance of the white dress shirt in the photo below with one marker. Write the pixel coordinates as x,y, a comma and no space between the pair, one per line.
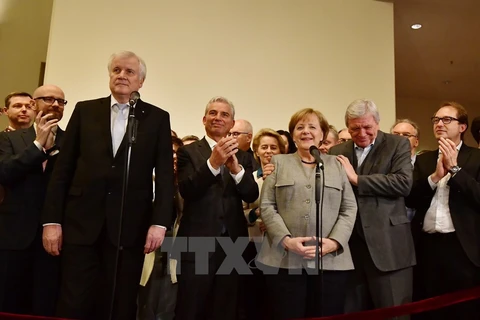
438,218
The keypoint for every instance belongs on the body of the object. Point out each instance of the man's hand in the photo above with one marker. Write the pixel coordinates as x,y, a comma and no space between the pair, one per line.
223,150
233,165
52,239
449,152
351,174
440,170
44,128
155,238
267,170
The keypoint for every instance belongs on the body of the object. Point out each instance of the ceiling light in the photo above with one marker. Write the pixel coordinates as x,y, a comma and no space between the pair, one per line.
416,26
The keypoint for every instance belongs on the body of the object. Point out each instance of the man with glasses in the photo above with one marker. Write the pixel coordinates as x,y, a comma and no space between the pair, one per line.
29,275
243,132
446,196
343,136
19,108
408,129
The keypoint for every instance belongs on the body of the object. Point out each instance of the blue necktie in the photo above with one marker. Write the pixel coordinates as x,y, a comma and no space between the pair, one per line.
118,130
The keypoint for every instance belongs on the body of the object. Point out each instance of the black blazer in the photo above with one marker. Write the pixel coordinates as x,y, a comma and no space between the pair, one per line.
85,191
211,202
463,201
25,184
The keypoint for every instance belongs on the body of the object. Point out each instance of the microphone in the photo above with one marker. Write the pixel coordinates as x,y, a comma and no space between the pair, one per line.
316,154
134,96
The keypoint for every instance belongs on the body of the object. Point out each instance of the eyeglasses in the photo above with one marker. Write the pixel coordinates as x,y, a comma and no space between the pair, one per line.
51,100
404,134
19,106
342,140
445,120
236,134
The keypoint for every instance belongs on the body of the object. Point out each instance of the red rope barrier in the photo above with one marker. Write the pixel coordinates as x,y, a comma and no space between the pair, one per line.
410,308
377,314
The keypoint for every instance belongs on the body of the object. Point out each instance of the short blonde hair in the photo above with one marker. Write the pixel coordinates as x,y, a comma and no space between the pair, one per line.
266,132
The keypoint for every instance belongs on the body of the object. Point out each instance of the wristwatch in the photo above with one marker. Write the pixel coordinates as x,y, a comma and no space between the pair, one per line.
453,170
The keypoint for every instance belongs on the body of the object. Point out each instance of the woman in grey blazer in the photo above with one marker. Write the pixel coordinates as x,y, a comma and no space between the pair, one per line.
287,208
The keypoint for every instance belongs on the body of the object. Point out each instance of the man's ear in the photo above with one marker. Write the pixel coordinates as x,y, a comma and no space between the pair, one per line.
249,137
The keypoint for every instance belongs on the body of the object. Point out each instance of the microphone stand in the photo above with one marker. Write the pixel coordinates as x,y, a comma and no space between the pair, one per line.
132,138
319,187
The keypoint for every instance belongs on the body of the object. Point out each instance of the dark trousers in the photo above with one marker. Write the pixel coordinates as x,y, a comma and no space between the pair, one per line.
87,281
207,296
370,288
29,280
444,267
156,301
252,289
303,294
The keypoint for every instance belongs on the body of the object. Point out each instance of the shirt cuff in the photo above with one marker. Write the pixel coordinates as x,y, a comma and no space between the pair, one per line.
51,224
158,226
39,146
214,171
432,184
238,177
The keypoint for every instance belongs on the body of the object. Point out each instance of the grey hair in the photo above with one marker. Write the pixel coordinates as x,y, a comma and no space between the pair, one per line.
129,54
360,108
410,122
223,100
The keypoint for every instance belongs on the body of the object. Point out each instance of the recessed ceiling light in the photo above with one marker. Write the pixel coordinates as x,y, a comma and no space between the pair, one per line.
416,26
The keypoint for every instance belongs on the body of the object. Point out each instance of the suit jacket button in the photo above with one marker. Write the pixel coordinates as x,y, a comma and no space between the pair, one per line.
113,167
307,201
308,186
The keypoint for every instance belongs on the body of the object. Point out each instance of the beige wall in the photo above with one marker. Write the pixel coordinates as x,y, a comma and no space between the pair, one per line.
24,29
270,57
424,110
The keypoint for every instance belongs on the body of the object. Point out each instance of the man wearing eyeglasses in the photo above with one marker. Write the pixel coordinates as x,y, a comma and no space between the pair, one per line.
408,129
29,275
243,132
446,196
19,108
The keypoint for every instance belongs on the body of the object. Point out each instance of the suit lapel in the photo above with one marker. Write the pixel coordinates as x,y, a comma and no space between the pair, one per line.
28,135
374,155
463,155
350,154
204,149
105,125
59,138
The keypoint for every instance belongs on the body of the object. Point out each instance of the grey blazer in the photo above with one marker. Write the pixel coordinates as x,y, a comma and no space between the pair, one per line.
384,179
287,207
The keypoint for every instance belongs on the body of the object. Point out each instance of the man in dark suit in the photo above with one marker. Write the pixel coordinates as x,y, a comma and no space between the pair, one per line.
29,277
82,220
379,168
214,176
446,196
19,111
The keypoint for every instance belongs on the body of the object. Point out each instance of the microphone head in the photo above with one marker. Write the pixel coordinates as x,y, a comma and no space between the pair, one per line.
134,96
313,149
